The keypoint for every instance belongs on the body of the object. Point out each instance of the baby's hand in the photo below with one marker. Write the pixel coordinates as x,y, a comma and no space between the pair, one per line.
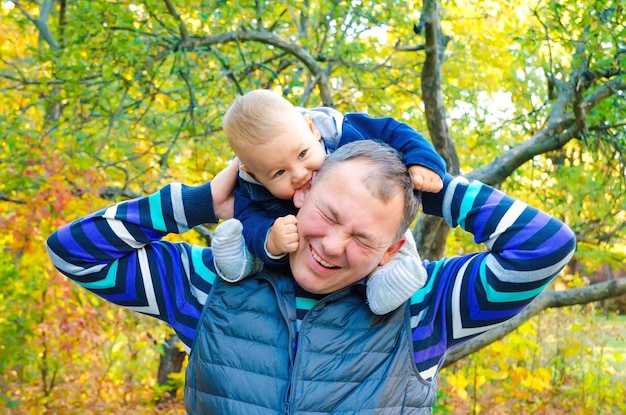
425,179
283,237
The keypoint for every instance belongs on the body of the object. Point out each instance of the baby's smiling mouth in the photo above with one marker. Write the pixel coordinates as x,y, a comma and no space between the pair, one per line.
321,261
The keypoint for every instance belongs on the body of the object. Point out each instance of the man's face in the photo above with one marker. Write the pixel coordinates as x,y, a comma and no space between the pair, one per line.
344,232
288,160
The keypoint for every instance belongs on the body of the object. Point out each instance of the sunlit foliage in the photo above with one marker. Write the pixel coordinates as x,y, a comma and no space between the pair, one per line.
105,100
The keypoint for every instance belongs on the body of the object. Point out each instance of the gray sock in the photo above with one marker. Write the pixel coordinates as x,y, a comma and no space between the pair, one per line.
233,261
395,282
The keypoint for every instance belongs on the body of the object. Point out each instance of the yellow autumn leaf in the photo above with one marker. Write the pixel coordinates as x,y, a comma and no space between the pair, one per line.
459,382
571,350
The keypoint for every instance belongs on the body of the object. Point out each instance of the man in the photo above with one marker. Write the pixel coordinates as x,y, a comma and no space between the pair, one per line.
268,346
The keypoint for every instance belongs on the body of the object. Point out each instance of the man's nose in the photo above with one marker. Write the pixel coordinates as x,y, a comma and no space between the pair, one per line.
334,242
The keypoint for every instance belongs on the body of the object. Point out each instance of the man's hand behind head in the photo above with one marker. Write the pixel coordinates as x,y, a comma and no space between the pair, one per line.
222,187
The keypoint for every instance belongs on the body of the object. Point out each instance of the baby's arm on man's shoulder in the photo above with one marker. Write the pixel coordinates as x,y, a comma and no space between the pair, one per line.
418,153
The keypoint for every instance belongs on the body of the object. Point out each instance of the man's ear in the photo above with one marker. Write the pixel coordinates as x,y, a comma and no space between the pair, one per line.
391,251
300,195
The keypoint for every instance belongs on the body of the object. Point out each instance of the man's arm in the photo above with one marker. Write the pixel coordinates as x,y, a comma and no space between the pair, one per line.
467,295
118,253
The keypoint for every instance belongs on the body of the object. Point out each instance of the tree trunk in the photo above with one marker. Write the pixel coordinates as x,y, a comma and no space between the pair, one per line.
430,234
171,362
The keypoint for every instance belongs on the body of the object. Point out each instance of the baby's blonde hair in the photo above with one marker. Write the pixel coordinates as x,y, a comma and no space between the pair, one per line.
254,118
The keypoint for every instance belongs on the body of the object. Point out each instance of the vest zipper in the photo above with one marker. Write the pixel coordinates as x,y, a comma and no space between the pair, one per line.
291,323
294,360
293,356
288,399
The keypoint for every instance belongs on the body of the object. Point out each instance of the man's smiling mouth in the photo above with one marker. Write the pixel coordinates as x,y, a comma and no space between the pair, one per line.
321,261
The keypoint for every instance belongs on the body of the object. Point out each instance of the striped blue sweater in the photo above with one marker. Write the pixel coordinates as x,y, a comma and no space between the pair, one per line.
118,253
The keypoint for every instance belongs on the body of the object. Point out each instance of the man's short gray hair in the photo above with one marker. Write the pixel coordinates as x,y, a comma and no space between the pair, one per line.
387,177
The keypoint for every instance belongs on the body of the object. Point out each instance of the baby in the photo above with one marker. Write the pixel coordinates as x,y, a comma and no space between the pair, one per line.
280,147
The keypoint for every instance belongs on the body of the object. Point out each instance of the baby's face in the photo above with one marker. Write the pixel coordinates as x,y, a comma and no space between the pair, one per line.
286,162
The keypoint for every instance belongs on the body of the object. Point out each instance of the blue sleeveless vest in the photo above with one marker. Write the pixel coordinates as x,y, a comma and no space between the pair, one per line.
348,360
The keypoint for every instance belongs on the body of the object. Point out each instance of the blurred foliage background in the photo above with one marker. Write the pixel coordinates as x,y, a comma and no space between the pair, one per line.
106,100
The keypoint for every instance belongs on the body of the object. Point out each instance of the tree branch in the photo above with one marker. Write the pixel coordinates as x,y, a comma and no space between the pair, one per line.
5,198
409,48
602,238
42,23
267,38
547,299
184,34
554,136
